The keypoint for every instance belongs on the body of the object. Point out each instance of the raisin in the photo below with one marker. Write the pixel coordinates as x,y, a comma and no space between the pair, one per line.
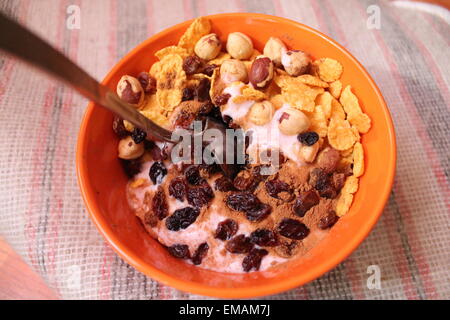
131,167
258,213
188,94
205,108
209,69
275,186
253,259
223,184
242,201
182,218
305,201
177,188
226,229
292,229
202,90
180,251
184,119
328,192
119,128
287,249
147,82
338,180
199,196
264,238
239,244
157,172
308,138
192,64
138,135
328,221
244,182
192,174
318,179
222,99
200,253
328,159
159,204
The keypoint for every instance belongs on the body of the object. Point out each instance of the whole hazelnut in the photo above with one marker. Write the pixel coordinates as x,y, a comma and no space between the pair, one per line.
295,62
273,49
328,159
130,90
239,46
261,113
208,47
293,121
129,150
261,72
308,153
233,70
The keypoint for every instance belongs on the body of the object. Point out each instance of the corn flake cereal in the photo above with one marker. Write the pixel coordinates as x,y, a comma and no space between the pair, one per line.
318,121
354,113
325,99
336,110
312,81
171,50
140,182
220,59
327,69
358,160
351,185
248,94
199,27
297,94
340,134
335,88
277,101
343,203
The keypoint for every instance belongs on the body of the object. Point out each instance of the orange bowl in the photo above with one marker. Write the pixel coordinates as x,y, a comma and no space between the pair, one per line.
102,181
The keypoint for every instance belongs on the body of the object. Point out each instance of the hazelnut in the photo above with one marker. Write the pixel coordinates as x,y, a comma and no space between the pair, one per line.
328,159
308,153
239,46
293,121
233,70
261,72
261,113
208,47
129,150
273,49
295,62
130,90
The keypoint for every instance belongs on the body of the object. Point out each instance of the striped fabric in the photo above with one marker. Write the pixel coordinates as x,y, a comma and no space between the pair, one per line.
42,215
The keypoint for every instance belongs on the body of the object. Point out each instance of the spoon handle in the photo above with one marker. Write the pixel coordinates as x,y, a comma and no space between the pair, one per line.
23,44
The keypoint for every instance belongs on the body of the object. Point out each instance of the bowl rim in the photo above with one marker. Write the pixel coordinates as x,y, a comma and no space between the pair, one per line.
230,292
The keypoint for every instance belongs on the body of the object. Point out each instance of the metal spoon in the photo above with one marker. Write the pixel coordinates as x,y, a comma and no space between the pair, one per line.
20,42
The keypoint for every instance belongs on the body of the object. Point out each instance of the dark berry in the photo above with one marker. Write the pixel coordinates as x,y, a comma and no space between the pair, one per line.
200,253
184,119
177,188
147,82
205,108
159,204
308,138
328,192
138,135
318,179
275,186
223,184
209,69
192,174
328,221
222,99
242,201
305,201
188,94
226,229
131,167
199,196
338,180
239,244
253,259
287,249
264,238
157,172
182,218
192,64
292,229
202,90
180,251
119,128
244,182
258,213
